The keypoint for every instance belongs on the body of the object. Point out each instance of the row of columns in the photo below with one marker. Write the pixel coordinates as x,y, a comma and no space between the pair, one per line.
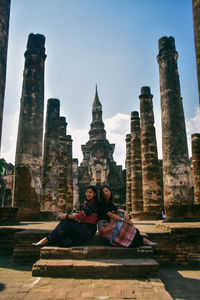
143,168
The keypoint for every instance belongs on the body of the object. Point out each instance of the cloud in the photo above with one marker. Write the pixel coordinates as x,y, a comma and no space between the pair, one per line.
9,136
193,126
79,137
117,127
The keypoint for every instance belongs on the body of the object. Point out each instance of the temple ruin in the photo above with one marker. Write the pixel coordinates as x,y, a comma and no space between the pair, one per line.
98,166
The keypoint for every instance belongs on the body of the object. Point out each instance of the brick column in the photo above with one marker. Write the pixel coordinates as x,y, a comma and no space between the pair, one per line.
176,164
76,204
136,166
196,166
196,24
27,178
4,27
69,173
150,167
50,169
62,192
128,173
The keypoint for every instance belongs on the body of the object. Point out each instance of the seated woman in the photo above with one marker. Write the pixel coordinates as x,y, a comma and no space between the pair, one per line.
116,227
77,228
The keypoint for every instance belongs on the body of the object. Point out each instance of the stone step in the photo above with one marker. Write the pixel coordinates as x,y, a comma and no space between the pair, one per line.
96,268
88,252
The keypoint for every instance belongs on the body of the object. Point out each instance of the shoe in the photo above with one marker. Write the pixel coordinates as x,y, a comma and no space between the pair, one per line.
152,244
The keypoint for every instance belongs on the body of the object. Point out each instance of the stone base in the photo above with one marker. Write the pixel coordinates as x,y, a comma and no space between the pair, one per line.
145,216
31,215
182,213
96,268
27,214
8,216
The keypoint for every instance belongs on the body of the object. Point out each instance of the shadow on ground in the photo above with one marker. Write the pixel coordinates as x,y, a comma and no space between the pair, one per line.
181,287
2,286
7,263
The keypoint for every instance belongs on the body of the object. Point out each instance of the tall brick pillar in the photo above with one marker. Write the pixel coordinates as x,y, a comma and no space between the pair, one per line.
69,174
196,166
150,167
27,179
62,192
76,204
128,173
136,166
176,164
50,168
4,27
196,24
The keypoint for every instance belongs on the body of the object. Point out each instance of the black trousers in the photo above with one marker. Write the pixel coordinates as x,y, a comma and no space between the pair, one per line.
71,233
137,241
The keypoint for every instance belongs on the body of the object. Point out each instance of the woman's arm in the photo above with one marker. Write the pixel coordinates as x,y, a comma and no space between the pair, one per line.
114,216
64,216
118,218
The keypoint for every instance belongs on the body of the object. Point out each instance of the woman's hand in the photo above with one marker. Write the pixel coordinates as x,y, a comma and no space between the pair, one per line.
62,216
128,221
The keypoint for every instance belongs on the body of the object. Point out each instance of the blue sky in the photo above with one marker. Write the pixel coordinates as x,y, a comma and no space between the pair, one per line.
113,43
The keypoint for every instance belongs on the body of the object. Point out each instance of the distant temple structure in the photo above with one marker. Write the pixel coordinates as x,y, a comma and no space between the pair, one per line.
98,166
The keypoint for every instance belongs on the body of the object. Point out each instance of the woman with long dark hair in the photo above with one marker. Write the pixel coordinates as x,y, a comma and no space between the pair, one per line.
115,225
77,228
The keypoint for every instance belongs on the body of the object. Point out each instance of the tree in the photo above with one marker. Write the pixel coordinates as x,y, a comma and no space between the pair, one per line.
3,166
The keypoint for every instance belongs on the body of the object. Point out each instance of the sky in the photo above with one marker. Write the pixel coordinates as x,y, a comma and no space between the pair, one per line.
111,43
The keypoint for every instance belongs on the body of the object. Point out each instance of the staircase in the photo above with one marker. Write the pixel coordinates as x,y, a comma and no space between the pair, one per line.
96,262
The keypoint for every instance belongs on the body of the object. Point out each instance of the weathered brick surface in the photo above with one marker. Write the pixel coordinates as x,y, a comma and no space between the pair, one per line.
4,26
136,165
27,179
196,166
196,23
176,164
151,183
128,174
50,166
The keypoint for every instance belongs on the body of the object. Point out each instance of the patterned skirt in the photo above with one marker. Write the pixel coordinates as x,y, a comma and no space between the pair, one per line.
118,233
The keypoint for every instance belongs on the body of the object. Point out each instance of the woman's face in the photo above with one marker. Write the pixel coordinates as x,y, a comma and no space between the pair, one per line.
90,194
106,193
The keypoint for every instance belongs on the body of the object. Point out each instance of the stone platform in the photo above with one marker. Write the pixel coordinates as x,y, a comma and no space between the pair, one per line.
178,243
96,262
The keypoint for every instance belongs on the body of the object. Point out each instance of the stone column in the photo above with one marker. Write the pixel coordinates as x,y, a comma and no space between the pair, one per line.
150,166
128,173
27,179
76,204
62,192
50,168
136,166
196,24
196,166
4,27
69,174
176,164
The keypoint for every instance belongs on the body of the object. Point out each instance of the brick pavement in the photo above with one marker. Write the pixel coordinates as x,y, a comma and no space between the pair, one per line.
17,284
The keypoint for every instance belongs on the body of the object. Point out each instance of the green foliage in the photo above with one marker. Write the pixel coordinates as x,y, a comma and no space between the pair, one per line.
3,166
